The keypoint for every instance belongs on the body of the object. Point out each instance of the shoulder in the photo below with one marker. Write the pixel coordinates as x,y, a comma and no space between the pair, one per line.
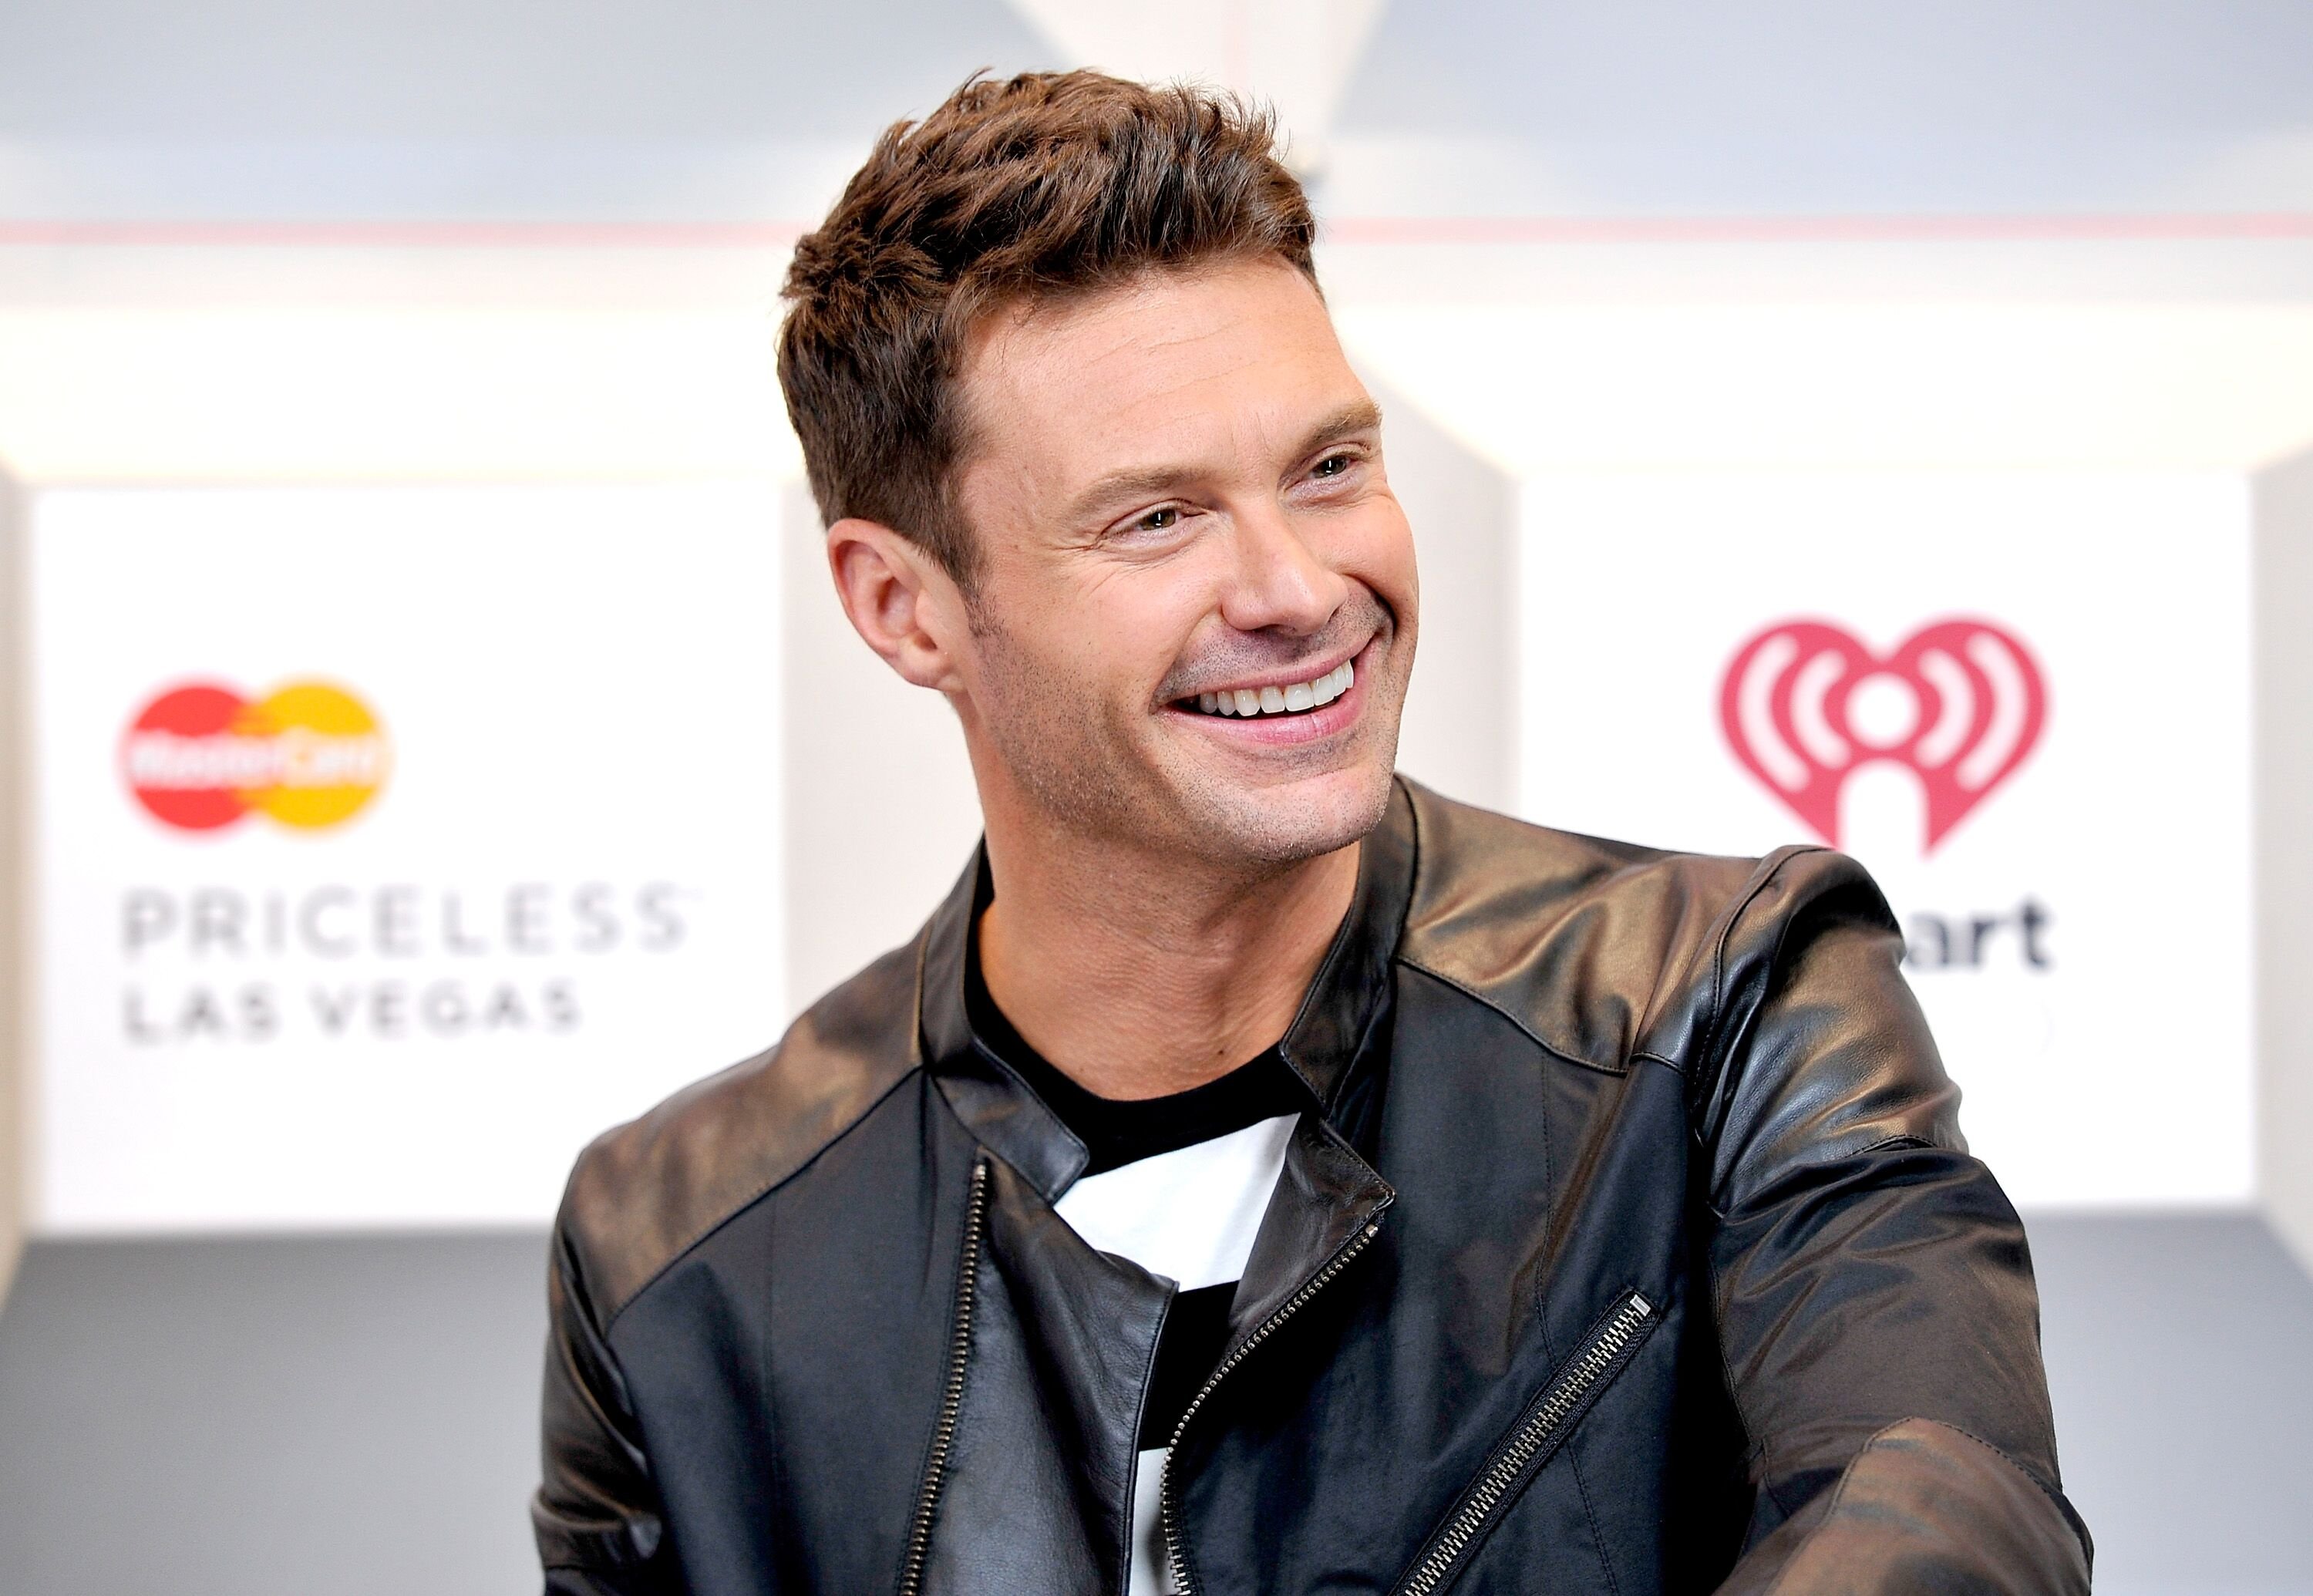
644,1192
1598,949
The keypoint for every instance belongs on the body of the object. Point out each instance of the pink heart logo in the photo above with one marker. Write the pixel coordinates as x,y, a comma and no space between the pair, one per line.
1805,703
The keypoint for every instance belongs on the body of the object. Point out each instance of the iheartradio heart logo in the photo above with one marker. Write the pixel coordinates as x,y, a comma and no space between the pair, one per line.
1805,703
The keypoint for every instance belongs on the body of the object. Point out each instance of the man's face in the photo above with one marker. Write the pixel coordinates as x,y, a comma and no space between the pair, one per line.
1176,490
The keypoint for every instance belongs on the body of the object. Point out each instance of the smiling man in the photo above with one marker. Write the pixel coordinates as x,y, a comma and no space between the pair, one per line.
1261,1174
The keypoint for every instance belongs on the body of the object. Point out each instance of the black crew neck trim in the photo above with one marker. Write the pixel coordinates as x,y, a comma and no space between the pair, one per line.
1119,1131
1195,1335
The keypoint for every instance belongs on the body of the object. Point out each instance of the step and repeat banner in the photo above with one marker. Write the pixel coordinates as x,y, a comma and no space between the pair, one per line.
390,844
2022,701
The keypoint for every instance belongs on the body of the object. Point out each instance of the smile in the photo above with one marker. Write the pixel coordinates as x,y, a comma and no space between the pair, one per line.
1297,699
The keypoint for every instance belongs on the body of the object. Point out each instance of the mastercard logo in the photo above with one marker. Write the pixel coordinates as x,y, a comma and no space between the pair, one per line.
307,755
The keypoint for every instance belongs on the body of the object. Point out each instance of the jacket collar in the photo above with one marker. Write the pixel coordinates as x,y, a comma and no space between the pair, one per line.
1331,1033
1334,1029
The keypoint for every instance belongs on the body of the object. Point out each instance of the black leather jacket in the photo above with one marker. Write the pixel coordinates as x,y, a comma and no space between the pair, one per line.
1636,1250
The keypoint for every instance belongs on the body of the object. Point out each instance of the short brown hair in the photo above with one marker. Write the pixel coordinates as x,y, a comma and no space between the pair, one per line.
1042,185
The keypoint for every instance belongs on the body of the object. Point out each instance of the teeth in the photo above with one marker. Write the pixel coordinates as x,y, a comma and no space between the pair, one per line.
1280,700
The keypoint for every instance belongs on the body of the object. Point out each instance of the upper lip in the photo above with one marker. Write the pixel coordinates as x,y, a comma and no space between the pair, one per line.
1280,679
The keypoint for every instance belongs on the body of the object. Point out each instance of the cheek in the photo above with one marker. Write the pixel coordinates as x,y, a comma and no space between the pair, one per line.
1376,546
1097,652
1130,629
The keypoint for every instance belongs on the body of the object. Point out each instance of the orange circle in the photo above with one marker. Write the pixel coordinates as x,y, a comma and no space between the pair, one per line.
330,755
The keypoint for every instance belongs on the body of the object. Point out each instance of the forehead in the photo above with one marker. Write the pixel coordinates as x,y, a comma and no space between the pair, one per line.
1236,356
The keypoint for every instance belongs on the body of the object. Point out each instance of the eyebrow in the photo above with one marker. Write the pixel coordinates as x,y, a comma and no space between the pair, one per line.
1360,414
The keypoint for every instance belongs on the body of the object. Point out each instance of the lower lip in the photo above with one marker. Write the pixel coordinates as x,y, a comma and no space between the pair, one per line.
1274,731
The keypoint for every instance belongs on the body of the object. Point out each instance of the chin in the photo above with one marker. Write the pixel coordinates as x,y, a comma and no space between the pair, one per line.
1303,820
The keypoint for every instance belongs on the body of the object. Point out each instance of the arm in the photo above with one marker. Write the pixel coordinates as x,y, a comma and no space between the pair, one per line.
1874,1296
596,1512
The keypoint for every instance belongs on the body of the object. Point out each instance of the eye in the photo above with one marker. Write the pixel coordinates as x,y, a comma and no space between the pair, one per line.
1332,465
1160,527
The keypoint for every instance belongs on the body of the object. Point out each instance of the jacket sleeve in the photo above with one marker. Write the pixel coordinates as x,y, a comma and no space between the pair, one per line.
596,1514
1872,1289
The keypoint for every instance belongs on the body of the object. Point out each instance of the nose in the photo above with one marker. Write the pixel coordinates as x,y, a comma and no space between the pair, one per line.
1278,583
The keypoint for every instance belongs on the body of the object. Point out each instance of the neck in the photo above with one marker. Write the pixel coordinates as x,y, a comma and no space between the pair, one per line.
1138,975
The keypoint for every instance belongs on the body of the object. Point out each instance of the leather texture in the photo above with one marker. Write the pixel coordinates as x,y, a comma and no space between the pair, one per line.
1556,1072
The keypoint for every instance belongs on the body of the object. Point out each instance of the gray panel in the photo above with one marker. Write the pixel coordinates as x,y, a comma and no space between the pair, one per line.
1797,104
2180,1357
245,1419
719,108
2069,71
310,1418
680,69
501,109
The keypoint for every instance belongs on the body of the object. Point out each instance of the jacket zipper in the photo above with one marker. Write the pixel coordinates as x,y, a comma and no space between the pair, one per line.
1176,1557
920,1531
1531,1442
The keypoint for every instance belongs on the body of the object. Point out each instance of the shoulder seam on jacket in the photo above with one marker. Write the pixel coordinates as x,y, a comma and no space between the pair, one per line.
1741,907
757,1196
1752,1432
1525,1029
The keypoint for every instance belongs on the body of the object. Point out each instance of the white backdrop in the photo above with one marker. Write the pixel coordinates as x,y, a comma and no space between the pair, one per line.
2081,937
561,902
565,899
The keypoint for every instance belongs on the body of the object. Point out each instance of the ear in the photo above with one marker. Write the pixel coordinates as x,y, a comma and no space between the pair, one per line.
901,603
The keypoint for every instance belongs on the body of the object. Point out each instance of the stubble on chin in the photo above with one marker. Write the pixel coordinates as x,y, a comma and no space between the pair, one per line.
1265,830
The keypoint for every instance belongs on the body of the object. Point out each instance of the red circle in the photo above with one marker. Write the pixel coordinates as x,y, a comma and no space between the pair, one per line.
162,757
